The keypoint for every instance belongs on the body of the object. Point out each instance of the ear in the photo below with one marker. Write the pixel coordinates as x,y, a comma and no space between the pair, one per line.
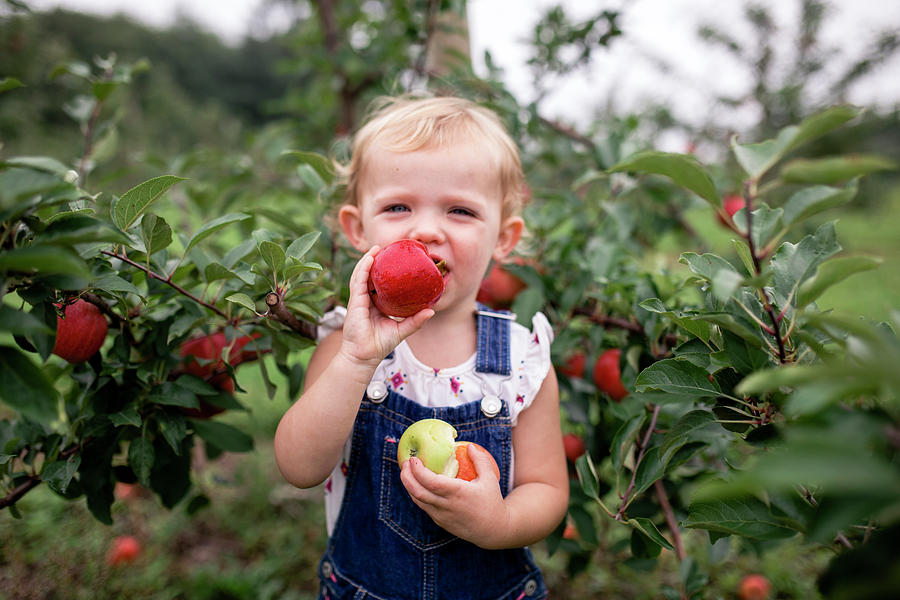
511,230
351,222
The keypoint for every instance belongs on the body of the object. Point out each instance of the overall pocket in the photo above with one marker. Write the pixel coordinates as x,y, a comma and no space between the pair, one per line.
397,510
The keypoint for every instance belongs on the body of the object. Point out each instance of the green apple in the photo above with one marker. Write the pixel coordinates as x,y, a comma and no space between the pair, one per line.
430,440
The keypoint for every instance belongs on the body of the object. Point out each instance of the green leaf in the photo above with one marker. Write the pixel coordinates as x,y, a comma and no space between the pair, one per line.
243,300
303,244
215,271
744,356
173,428
648,528
78,229
758,158
706,265
623,440
766,223
58,474
831,272
10,83
44,260
294,270
171,393
650,469
684,170
128,416
814,200
686,321
743,251
110,282
214,226
25,388
273,254
155,233
834,169
746,517
133,203
19,322
319,163
140,459
18,184
677,377
587,475
222,436
794,264
695,426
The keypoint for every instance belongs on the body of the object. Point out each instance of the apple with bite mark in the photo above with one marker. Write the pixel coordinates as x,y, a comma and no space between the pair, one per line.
404,279
433,441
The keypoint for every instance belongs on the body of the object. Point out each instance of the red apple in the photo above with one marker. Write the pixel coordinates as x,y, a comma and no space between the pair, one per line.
500,287
123,550
754,587
574,446
80,335
209,349
574,366
730,204
608,375
404,279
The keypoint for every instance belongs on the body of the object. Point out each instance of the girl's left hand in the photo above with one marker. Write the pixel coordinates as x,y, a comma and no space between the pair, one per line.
472,510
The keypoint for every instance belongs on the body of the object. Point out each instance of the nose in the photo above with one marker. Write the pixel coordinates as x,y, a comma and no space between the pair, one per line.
428,231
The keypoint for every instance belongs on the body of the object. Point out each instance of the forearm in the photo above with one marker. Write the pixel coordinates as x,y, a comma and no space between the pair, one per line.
532,511
311,434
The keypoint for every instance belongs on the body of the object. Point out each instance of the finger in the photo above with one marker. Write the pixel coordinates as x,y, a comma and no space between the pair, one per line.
483,462
410,325
359,279
408,477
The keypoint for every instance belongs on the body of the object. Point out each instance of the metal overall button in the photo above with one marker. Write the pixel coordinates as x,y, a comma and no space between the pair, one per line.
377,392
491,405
530,587
327,569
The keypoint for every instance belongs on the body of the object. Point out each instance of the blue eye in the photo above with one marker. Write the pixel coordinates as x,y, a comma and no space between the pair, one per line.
396,208
463,211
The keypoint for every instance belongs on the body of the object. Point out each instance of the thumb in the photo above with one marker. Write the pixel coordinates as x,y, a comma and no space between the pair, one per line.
483,461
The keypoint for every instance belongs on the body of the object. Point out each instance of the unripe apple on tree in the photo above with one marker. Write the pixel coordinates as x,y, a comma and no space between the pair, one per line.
433,441
81,334
500,287
754,587
608,376
124,549
404,279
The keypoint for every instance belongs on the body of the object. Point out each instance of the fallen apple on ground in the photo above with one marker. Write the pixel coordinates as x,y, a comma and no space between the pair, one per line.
81,334
123,550
404,279
433,441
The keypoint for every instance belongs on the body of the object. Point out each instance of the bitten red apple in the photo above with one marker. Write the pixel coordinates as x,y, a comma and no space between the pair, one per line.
500,287
123,550
754,587
404,279
80,335
433,441
608,376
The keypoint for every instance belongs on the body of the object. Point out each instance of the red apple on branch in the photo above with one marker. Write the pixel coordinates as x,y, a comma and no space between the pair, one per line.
81,333
500,287
574,446
208,348
730,205
608,375
404,279
754,587
574,365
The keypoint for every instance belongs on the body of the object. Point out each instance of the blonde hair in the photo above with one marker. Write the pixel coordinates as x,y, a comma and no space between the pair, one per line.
406,124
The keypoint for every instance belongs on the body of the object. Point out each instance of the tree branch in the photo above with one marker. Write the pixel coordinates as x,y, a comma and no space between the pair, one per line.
279,312
670,519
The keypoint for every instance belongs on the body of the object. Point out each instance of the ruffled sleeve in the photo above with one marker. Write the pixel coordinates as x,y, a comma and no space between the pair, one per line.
530,357
331,322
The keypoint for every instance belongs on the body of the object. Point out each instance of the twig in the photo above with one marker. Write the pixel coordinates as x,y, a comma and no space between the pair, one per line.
279,312
643,449
670,519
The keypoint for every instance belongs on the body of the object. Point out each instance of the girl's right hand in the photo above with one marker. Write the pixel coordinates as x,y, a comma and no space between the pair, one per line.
369,335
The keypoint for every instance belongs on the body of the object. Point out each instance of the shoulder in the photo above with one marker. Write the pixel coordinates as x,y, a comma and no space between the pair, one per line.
530,360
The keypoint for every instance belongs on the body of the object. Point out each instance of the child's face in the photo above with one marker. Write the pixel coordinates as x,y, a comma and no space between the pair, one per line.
447,198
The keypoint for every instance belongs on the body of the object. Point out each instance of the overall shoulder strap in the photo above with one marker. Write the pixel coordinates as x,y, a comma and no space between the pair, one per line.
493,341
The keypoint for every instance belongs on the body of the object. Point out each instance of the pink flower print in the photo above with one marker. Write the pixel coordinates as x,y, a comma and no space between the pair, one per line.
520,399
397,380
345,468
436,371
328,486
455,385
535,339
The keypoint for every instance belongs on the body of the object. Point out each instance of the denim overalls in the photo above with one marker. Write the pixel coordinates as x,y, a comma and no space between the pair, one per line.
384,546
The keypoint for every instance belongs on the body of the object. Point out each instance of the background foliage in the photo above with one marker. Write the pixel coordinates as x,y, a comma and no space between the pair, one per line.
183,186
